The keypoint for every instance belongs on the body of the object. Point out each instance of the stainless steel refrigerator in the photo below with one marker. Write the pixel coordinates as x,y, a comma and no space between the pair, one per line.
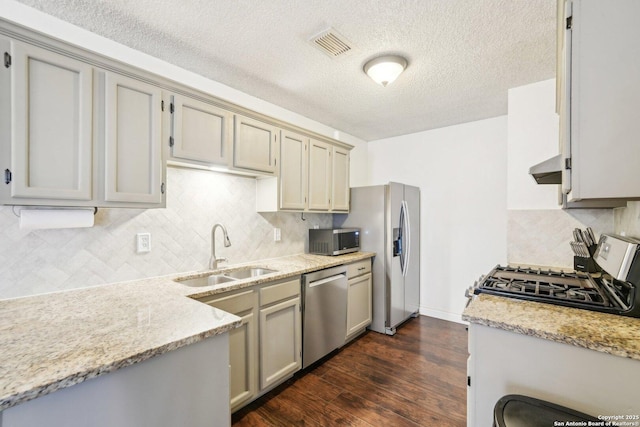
389,220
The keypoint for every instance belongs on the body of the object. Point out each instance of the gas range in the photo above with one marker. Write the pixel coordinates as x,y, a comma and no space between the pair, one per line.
597,292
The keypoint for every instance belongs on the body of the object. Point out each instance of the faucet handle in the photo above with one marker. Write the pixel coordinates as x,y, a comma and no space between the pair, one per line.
222,259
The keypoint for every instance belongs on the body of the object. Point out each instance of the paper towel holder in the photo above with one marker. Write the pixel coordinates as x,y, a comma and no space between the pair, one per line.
13,208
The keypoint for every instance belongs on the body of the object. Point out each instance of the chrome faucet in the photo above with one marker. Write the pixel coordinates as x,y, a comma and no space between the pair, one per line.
213,262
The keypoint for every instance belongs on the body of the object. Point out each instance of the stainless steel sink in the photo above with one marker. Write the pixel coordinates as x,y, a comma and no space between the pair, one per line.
215,279
226,276
245,273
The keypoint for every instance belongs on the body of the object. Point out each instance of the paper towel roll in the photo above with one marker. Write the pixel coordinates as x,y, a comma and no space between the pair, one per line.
35,219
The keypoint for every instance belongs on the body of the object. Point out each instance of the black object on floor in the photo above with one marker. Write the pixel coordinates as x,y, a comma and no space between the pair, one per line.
514,410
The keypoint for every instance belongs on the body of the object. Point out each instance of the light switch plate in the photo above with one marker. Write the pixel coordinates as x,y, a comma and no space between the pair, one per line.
277,235
143,242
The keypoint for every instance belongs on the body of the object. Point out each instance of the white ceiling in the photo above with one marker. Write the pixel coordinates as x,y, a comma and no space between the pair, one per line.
463,54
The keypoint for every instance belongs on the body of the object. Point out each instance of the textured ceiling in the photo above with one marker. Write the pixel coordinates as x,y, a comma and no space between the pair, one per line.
463,54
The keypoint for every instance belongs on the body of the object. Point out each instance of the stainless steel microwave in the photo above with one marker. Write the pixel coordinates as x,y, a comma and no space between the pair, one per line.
334,241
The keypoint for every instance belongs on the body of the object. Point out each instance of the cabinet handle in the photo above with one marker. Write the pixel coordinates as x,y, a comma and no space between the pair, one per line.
7,176
162,188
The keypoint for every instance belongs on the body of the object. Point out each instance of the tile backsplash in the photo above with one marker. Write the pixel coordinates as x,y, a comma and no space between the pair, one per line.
39,261
541,237
627,220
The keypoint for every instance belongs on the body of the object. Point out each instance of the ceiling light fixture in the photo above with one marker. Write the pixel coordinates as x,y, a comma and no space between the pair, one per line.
385,69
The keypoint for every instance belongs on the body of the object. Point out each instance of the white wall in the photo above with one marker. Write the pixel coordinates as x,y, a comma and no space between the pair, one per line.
533,137
461,171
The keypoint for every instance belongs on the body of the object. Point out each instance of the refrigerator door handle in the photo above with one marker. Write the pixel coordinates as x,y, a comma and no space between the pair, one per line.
406,240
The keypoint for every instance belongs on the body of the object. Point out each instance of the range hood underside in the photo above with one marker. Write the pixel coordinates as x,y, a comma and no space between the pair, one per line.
549,171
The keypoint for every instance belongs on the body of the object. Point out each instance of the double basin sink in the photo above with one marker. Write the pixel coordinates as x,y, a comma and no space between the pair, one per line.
226,276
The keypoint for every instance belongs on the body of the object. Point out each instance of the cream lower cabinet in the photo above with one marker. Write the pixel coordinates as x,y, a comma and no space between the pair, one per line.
243,345
267,348
280,332
359,297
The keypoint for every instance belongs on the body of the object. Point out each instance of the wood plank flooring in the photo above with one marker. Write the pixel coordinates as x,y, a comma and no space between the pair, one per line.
414,378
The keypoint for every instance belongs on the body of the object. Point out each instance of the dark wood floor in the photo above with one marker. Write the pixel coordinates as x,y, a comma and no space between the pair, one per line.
414,378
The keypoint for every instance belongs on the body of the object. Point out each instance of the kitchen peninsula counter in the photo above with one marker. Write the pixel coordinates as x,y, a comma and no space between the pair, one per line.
52,341
607,333
584,360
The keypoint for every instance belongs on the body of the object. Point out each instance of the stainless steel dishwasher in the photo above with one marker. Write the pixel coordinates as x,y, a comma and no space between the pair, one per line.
325,313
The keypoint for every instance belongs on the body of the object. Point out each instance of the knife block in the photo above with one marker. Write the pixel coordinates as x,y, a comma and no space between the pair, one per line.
588,265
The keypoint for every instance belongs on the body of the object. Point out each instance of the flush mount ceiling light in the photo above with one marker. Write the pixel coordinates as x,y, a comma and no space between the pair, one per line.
385,69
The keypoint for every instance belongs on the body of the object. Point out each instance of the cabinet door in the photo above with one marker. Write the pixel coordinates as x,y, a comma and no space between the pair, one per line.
200,131
254,145
242,350
604,98
243,375
133,141
358,304
51,123
340,180
319,175
293,170
280,341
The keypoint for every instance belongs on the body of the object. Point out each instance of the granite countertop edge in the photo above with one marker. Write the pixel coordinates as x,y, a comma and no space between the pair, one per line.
16,385
606,333
93,372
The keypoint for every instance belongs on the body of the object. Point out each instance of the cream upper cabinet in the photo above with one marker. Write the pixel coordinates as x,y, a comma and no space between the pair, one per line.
319,175
77,135
313,176
50,117
255,146
200,131
79,129
133,160
340,180
598,99
293,175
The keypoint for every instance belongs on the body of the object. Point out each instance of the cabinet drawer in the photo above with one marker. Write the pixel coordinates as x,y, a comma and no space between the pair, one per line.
359,268
273,293
233,304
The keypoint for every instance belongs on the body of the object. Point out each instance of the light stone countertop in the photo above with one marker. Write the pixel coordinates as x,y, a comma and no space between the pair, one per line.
607,333
52,341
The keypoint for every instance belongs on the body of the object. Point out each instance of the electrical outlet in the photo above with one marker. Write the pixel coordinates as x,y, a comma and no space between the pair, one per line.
277,235
143,242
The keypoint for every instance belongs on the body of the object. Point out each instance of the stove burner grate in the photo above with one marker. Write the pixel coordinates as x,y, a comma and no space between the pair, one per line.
570,289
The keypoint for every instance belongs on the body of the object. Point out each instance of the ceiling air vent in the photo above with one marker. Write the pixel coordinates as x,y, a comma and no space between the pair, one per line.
331,42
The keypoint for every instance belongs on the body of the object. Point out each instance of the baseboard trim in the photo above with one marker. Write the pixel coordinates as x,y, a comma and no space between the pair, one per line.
451,317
